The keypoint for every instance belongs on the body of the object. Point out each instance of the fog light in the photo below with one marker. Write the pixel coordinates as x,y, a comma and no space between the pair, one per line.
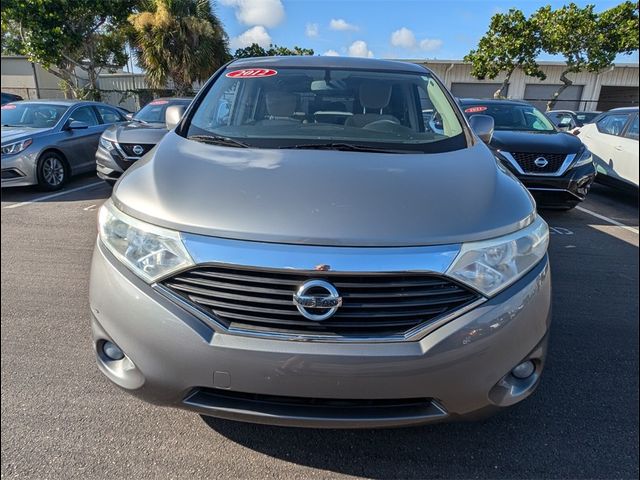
112,351
524,370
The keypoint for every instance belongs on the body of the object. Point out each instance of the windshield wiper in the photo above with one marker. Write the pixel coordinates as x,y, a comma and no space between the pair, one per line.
347,147
218,140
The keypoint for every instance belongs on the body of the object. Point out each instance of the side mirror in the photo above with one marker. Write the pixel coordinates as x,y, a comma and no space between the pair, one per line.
173,115
76,125
482,125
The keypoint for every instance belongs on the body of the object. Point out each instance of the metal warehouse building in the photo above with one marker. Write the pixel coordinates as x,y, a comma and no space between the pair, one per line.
614,87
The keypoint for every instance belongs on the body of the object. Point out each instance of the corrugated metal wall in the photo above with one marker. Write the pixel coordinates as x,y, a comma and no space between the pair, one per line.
590,84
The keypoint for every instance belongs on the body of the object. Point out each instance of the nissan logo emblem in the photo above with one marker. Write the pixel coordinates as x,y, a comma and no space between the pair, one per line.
317,300
541,162
138,150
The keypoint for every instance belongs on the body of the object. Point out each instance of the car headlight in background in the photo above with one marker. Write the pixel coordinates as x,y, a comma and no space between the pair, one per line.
16,147
107,144
492,265
584,157
151,252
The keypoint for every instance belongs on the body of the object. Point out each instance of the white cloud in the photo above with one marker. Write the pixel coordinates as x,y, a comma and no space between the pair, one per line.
430,44
331,53
268,13
359,48
312,30
342,25
257,34
403,38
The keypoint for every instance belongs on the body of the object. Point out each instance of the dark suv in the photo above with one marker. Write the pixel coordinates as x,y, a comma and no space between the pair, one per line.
123,144
555,166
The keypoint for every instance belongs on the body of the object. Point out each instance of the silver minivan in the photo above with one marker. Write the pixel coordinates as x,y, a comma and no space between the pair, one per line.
322,242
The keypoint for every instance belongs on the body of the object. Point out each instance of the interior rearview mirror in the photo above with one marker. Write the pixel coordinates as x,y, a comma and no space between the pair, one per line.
173,115
482,125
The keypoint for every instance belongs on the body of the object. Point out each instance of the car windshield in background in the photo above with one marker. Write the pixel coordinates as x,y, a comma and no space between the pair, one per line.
513,116
328,108
586,117
154,111
32,115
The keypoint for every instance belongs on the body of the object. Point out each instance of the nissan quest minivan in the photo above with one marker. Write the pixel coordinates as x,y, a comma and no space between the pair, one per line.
322,242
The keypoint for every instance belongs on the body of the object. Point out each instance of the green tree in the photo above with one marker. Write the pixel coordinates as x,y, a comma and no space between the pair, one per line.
68,37
511,42
178,40
588,41
255,50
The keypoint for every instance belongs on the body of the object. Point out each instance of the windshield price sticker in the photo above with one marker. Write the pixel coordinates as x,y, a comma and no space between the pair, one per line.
475,109
252,73
159,102
8,107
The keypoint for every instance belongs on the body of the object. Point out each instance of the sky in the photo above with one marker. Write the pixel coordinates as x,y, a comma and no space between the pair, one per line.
406,29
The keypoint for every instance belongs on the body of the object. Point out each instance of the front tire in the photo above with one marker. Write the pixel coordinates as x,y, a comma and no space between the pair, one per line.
52,172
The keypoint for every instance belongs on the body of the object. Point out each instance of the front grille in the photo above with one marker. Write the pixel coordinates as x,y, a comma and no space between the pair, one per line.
527,161
128,148
323,412
373,304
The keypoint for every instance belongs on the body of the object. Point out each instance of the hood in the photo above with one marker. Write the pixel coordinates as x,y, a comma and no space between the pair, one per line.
136,132
14,134
319,197
535,142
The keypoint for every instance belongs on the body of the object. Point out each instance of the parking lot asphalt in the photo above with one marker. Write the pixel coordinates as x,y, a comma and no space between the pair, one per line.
62,419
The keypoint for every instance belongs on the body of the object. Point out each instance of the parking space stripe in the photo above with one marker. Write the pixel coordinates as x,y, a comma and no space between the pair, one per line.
54,195
608,220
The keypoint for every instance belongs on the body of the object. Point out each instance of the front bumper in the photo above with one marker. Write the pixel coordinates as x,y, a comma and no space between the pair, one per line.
20,170
111,165
460,370
560,192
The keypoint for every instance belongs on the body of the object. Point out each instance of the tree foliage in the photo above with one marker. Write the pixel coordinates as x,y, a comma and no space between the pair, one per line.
178,40
255,50
68,36
512,41
588,41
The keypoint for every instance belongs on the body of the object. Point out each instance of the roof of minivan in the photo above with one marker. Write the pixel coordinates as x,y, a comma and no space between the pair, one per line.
328,62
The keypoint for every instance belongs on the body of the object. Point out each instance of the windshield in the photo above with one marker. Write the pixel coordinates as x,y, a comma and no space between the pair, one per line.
296,107
34,115
153,112
586,117
513,116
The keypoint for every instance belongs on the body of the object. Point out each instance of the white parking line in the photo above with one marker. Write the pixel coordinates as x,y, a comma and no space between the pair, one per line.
609,220
54,195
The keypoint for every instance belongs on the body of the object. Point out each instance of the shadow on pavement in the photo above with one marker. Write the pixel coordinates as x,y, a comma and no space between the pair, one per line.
95,189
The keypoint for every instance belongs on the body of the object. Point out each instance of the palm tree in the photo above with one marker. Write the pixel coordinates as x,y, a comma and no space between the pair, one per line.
179,40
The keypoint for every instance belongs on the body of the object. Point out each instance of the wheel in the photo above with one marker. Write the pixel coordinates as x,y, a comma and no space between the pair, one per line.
52,172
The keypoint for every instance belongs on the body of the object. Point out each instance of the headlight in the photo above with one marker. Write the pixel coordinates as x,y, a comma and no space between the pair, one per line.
492,265
107,144
16,147
583,158
151,252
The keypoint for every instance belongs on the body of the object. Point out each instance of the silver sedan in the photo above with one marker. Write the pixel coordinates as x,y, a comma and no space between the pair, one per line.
45,142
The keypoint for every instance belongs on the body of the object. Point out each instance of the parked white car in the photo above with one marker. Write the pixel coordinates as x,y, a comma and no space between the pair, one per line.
613,140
